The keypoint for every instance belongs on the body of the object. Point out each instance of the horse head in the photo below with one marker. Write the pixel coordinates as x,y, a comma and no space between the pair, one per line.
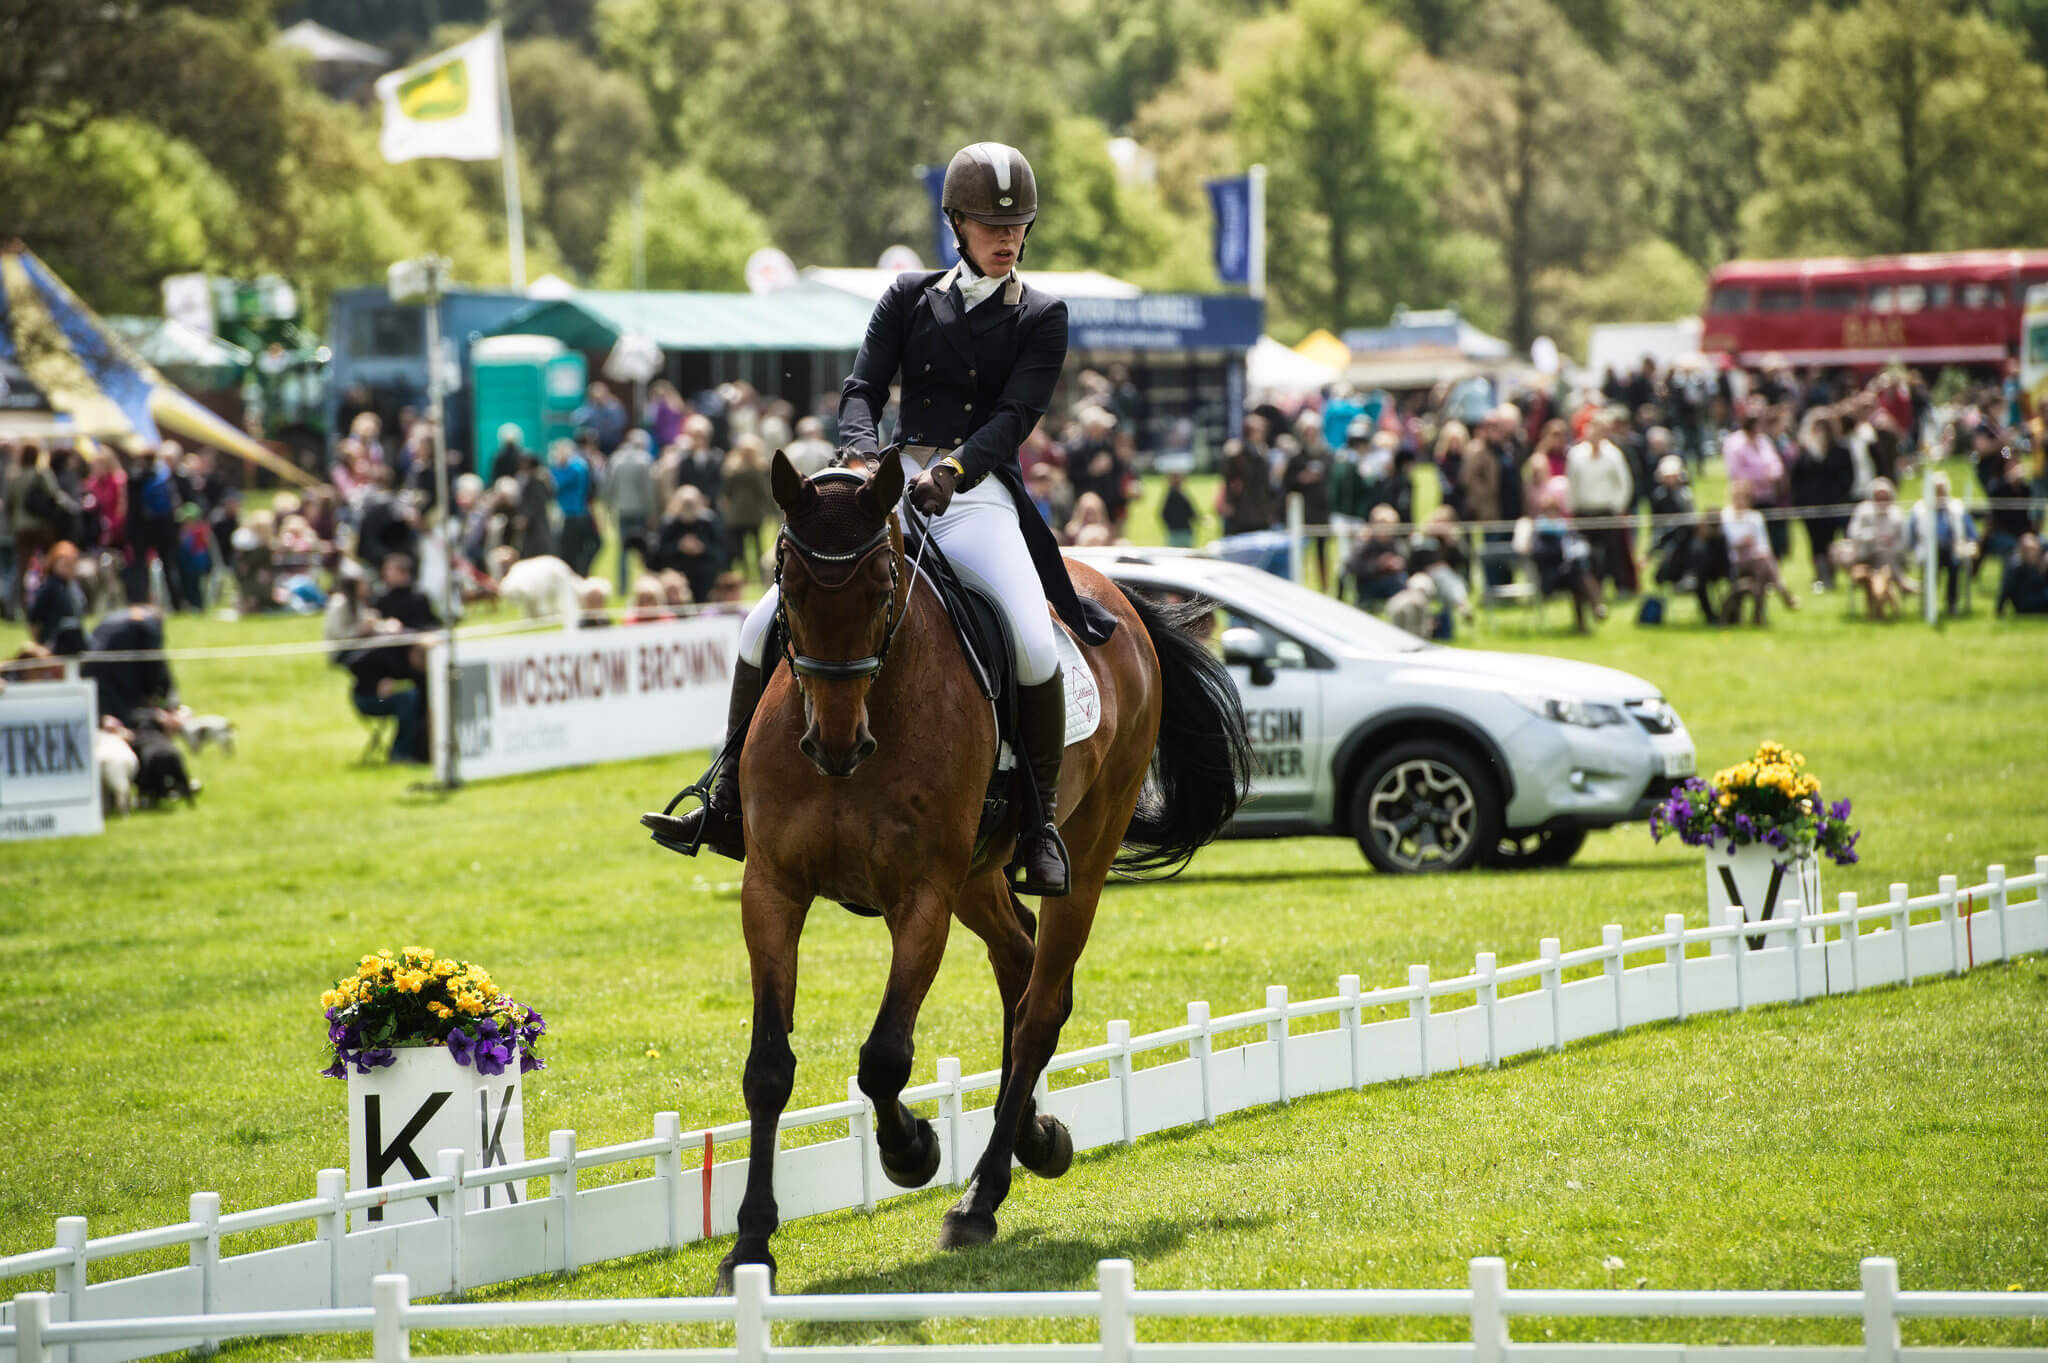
839,570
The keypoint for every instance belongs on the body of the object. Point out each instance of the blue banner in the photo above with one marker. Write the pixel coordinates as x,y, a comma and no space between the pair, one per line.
1166,321
942,231
1231,202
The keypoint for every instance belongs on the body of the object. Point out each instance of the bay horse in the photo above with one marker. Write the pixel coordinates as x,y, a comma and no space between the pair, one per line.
862,779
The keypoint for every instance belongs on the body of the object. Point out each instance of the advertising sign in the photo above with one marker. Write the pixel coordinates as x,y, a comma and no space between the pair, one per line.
49,776
532,702
1165,321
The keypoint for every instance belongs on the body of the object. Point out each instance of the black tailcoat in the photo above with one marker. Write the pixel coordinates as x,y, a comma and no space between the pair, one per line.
975,383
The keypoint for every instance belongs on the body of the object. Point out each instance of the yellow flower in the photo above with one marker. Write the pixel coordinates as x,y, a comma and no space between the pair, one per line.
470,1003
653,1054
385,953
443,968
440,1010
330,999
1726,800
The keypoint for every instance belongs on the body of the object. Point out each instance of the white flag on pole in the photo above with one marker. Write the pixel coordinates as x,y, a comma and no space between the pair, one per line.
448,105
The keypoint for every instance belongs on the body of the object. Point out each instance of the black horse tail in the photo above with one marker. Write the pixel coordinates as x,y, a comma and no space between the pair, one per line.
1202,767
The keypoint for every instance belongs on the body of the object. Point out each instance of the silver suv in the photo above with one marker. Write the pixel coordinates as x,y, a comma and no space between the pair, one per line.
1433,758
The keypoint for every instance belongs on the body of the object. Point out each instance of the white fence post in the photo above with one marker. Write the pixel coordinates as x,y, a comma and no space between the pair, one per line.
1276,1032
1348,1017
1731,917
668,1167
1610,942
1200,1050
1489,1280
1674,956
448,1164
949,1112
1949,920
204,1255
562,1188
1902,924
31,1319
1553,985
1119,1032
1418,1009
71,1276
1995,900
1795,911
331,1187
1489,999
1113,1279
1852,933
390,1340
1881,1310
751,1288
862,1129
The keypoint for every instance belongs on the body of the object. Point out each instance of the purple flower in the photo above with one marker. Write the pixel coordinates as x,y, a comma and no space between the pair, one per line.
340,1033
529,1062
491,1056
337,1070
373,1059
488,1027
1839,810
460,1047
536,1025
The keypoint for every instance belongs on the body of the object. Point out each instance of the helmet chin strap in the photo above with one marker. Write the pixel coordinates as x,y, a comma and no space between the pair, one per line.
960,245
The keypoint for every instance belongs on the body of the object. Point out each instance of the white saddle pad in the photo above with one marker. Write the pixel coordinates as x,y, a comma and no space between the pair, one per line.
1084,698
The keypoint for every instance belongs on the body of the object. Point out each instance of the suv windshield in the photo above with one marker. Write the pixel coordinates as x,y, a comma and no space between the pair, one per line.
1271,596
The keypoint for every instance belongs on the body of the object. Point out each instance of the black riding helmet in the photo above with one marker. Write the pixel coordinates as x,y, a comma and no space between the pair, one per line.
992,183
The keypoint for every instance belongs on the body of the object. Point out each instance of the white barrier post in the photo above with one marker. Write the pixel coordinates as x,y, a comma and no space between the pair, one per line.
71,1275
1795,913
1994,900
751,1288
668,1167
1489,999
448,1164
1674,956
1553,985
1276,1032
1200,1050
1957,961
1610,942
1418,1010
1930,550
204,1255
1348,1017
1902,924
390,1341
562,1188
949,1112
1852,933
1119,1032
331,1186
862,1129
1731,917
1881,1310
31,1320
1297,546
1489,1281
1118,1333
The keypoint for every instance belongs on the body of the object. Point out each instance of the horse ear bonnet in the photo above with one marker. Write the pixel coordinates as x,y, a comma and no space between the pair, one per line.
833,520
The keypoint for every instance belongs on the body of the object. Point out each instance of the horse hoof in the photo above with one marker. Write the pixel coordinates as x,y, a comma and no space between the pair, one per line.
964,1226
1052,1152
732,1261
919,1164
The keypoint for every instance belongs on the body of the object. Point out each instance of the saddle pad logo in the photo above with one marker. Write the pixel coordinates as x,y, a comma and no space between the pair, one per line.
1084,698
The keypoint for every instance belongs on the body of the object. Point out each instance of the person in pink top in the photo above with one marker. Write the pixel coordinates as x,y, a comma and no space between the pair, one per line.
108,488
1752,456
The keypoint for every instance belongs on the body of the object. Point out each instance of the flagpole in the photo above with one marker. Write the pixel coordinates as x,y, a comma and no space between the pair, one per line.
1256,273
515,217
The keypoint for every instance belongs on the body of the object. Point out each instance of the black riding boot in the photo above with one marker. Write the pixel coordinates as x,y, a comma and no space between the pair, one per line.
1041,857
716,824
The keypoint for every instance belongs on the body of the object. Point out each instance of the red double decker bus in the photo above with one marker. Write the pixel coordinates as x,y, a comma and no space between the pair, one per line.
1960,307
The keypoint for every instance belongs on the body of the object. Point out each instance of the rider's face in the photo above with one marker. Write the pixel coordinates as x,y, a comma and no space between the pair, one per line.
993,250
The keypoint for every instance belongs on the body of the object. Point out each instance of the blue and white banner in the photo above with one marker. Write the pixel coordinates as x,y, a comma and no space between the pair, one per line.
942,231
1231,202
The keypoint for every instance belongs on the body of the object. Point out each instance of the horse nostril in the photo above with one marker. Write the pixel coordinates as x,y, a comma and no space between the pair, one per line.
862,751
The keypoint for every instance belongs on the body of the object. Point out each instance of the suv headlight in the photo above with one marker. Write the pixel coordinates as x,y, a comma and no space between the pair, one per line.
1584,713
1654,715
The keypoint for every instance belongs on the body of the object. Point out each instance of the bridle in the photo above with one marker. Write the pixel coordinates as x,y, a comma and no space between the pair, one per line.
803,665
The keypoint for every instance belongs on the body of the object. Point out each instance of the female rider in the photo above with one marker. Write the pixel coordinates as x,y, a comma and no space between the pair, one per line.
977,352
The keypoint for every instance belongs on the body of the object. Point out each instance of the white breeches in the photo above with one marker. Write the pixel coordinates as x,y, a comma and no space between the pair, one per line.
981,538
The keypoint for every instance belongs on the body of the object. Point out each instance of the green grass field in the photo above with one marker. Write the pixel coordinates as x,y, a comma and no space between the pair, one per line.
162,1032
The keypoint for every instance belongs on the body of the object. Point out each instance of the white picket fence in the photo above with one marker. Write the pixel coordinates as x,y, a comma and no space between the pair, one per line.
691,1196
1115,1307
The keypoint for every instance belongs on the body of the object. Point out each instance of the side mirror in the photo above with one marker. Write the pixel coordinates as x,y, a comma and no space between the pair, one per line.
1246,647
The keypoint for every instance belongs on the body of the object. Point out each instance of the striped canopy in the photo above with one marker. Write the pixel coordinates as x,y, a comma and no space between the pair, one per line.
91,382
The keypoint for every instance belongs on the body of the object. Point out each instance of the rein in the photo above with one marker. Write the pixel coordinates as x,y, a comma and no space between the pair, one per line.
840,669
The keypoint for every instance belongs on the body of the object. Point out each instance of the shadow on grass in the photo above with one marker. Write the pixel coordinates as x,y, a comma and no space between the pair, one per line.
1028,1261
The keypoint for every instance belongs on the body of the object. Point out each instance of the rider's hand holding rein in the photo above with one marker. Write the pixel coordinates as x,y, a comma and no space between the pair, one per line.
932,492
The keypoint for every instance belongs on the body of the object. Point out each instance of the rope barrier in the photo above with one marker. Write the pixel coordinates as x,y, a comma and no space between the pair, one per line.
1630,520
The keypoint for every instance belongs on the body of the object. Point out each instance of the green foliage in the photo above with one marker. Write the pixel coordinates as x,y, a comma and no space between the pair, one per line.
1650,281
699,235
1089,221
1900,125
118,205
584,134
1351,172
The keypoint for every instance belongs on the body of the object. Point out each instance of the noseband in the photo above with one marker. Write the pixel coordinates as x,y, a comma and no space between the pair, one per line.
852,560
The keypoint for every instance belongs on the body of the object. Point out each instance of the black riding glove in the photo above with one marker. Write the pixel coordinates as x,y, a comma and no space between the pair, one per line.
933,490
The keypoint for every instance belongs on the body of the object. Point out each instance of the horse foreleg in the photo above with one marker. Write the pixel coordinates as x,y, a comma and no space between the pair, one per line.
1001,920
773,920
908,1146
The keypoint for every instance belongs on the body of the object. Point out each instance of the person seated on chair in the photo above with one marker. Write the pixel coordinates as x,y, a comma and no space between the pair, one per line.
378,674
2005,525
56,615
1878,532
1955,538
1377,565
1750,560
978,352
400,599
2024,586
1563,558
1671,544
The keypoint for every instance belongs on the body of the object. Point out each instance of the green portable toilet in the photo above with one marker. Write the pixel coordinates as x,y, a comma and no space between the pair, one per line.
533,382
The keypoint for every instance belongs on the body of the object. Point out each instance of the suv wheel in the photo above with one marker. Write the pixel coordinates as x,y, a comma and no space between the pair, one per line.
1544,847
1423,807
